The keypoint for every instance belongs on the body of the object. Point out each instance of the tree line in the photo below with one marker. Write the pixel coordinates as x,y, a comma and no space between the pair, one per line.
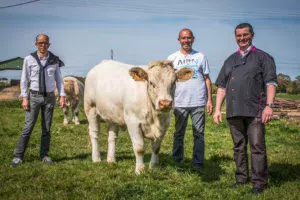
286,85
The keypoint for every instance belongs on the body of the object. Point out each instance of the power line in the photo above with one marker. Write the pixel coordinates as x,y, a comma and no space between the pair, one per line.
19,4
161,9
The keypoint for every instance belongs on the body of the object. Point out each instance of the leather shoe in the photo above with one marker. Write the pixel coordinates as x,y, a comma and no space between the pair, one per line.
256,190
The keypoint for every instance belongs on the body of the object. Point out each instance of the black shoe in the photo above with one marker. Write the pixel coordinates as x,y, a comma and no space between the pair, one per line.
256,191
237,184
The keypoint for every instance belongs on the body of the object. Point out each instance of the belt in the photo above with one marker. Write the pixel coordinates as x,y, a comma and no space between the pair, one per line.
41,93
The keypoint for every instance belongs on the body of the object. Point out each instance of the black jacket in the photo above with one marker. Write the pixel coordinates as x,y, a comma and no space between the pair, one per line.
245,80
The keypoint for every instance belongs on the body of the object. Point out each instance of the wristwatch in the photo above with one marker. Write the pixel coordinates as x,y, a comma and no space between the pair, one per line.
271,105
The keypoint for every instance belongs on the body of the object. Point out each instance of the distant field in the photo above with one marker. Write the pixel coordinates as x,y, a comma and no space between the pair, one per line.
287,96
74,176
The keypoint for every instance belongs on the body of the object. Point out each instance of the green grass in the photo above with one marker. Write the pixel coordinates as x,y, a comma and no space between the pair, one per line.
74,176
288,96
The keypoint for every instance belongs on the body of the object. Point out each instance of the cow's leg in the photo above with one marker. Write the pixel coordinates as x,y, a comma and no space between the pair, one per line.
66,115
112,138
76,113
94,127
155,150
138,146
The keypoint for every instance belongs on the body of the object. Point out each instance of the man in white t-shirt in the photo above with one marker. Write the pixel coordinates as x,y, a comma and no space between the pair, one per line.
191,97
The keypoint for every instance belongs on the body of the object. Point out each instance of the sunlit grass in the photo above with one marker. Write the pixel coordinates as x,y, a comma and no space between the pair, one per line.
74,176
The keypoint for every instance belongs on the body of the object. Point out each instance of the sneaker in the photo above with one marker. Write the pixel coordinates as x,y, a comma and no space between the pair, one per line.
256,191
15,162
47,160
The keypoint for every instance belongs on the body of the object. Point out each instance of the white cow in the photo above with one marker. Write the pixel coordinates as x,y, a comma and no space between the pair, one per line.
134,97
74,90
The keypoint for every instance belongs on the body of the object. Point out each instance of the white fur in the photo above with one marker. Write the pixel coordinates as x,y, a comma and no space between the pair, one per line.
113,95
73,99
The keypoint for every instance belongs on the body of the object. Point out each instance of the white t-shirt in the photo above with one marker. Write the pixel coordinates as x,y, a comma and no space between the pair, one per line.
191,93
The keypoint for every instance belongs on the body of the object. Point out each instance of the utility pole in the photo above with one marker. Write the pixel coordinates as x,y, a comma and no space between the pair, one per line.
111,54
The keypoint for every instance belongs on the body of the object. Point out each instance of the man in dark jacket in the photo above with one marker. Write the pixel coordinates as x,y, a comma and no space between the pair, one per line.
248,81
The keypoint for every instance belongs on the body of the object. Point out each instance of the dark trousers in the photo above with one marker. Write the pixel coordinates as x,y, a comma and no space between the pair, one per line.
37,103
242,129
198,122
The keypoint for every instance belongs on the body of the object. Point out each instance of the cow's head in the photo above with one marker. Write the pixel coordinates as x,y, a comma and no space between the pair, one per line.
71,87
161,78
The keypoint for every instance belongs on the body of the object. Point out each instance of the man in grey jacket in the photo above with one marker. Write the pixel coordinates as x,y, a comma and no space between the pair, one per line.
42,70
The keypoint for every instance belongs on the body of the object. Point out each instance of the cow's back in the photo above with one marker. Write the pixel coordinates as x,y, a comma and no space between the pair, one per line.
112,90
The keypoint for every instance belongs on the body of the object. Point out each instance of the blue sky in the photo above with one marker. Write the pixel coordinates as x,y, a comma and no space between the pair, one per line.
83,32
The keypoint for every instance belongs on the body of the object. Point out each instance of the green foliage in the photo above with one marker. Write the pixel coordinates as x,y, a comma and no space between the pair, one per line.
214,88
74,176
286,85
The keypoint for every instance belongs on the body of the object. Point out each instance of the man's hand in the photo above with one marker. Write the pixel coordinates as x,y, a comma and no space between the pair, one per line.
25,103
62,102
218,117
267,114
209,107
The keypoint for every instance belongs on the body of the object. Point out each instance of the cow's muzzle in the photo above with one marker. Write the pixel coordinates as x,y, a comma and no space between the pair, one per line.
165,105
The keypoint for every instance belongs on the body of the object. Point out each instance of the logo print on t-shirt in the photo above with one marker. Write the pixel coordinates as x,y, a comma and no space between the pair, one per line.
189,63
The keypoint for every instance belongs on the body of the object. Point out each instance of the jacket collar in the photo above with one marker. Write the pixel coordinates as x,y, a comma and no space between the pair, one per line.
52,59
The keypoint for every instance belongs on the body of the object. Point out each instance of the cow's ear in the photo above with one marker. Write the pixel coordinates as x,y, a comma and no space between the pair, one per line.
184,74
138,74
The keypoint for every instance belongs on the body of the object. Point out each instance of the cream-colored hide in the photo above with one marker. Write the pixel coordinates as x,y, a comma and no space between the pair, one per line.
74,90
139,98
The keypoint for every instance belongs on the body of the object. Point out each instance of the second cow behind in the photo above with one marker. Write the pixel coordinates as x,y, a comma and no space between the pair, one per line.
140,99
74,90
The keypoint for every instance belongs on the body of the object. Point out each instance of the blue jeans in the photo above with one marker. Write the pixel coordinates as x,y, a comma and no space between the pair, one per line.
198,123
46,105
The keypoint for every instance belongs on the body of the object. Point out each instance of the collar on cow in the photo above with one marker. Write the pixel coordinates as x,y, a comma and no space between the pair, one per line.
52,60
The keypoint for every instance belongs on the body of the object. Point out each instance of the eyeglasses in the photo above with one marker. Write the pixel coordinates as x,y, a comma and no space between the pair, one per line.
43,43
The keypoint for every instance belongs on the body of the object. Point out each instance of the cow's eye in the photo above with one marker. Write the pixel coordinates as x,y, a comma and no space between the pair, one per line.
152,84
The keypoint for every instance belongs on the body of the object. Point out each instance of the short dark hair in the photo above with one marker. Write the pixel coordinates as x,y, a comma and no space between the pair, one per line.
244,25
36,38
185,29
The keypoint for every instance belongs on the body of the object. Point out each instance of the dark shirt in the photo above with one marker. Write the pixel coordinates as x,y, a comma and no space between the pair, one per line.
245,80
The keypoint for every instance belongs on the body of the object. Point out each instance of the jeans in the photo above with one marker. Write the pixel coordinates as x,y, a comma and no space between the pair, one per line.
46,105
198,123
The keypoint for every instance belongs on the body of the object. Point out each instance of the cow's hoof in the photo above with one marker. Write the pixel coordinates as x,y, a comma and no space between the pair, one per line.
111,160
140,169
77,123
152,165
97,161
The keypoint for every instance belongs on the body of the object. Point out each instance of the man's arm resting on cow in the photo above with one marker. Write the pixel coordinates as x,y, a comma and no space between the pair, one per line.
268,111
209,105
221,93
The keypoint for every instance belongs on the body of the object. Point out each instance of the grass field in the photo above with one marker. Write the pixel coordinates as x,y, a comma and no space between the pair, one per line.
288,96
74,176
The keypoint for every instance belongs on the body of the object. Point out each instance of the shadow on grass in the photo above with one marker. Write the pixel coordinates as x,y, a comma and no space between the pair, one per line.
280,173
210,173
82,156
84,121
